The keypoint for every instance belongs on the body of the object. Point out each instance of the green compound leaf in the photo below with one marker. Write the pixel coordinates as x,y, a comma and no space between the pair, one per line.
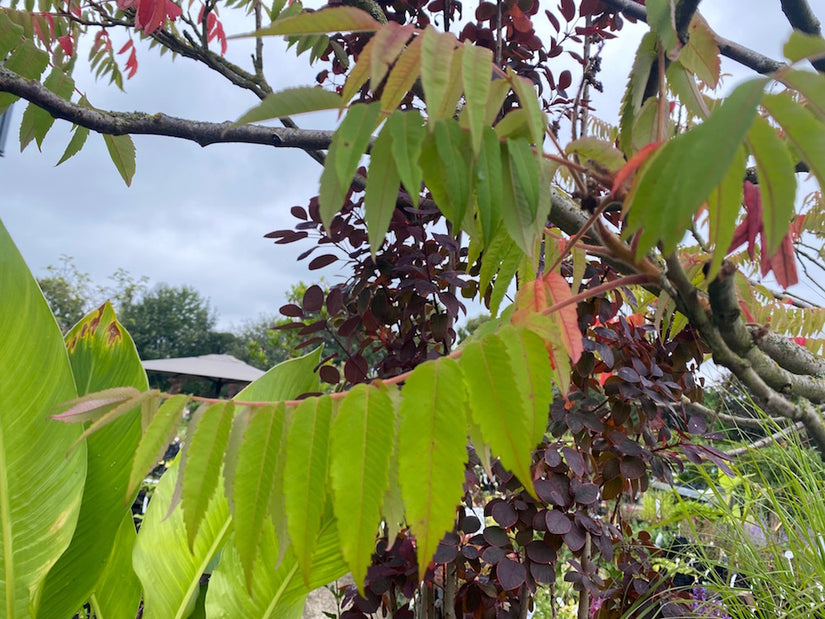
292,101
122,151
432,452
362,442
498,406
305,477
408,133
382,190
693,163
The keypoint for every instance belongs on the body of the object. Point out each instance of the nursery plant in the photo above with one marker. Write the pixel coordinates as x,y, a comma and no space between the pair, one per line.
624,245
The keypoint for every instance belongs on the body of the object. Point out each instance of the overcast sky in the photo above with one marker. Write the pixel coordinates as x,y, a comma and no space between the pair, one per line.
196,215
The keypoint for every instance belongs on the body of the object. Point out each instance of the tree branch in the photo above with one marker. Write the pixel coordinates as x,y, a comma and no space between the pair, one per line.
802,18
120,123
734,51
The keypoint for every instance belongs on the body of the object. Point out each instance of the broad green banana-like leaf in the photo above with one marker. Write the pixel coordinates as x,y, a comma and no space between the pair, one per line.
117,592
169,572
41,485
103,356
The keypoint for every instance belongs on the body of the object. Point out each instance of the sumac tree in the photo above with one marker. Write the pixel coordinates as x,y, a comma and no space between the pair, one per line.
624,246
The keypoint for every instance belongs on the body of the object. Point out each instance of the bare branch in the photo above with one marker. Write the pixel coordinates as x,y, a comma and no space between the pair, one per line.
120,123
734,51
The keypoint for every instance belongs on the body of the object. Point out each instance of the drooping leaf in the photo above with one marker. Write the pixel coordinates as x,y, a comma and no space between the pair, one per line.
169,571
801,46
454,156
389,43
402,77
360,73
694,163
79,136
477,63
601,152
305,477
489,184
293,101
701,53
777,182
528,352
382,189
519,208
347,147
36,121
362,437
683,85
253,482
634,93
156,438
802,130
277,592
536,119
102,356
41,485
408,133
432,451
724,203
122,152
329,20
201,459
437,57
497,404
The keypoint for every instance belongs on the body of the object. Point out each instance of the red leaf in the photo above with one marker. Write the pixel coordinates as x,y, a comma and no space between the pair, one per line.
567,8
67,44
783,264
631,166
129,44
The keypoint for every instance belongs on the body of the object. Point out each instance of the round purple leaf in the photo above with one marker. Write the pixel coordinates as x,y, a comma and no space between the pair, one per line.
511,574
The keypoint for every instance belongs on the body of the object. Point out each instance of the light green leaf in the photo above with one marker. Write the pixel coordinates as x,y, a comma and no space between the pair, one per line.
601,152
724,203
528,351
402,77
36,121
305,477
362,440
501,259
41,485
360,73
660,16
802,130
455,167
530,103
293,101
389,43
156,438
498,406
634,93
102,356
804,46
684,86
251,487
392,507
28,62
169,572
701,53
437,57
811,85
515,124
201,459
348,145
382,190
11,34
278,592
521,194
476,70
777,182
117,593
499,89
79,136
329,20
408,133
122,151
489,182
693,164
432,446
